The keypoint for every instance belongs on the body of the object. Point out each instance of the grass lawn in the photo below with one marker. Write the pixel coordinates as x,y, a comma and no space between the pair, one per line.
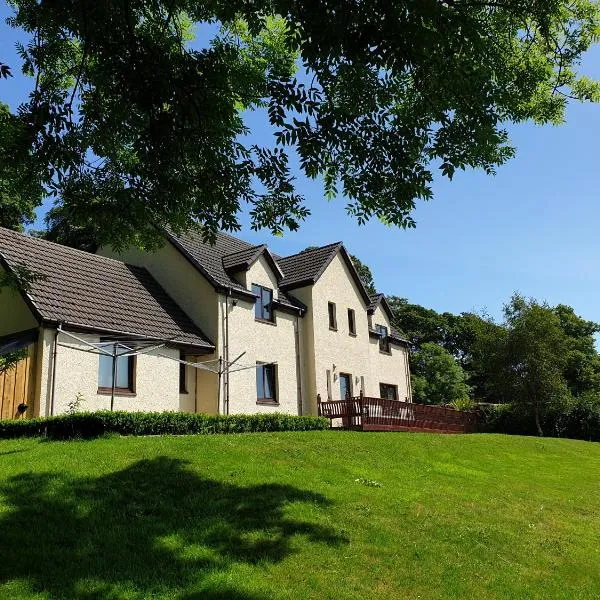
282,516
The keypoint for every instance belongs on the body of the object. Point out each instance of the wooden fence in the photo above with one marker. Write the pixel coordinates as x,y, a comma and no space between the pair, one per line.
377,414
17,388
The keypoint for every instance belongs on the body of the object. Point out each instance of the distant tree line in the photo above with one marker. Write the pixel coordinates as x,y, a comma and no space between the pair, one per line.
539,361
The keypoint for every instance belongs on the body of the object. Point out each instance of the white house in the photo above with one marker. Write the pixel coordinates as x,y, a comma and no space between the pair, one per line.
227,328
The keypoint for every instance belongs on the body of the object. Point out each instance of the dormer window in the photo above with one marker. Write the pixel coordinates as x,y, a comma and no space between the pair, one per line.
263,309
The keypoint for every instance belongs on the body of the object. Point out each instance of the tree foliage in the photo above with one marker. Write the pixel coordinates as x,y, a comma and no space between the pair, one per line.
540,358
130,125
436,377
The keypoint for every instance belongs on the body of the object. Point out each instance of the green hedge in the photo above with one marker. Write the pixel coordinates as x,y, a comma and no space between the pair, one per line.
94,424
578,419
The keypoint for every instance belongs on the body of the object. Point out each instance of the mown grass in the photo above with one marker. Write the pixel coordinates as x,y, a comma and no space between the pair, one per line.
281,515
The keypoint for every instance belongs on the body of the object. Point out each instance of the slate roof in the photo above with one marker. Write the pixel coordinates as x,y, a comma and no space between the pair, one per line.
102,294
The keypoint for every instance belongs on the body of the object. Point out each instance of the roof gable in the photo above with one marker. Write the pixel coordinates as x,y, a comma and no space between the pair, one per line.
305,268
218,262
98,293
242,260
380,300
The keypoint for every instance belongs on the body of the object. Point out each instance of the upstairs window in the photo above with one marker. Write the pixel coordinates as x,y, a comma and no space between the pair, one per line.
384,341
332,317
266,384
263,309
124,371
351,322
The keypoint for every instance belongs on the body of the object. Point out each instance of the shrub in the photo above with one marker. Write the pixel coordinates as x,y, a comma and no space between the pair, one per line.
577,419
465,403
89,425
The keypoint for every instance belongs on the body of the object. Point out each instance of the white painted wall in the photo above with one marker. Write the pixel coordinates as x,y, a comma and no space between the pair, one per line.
262,342
156,378
338,351
393,368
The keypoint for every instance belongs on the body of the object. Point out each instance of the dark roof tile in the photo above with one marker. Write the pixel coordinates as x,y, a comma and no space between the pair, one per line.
98,293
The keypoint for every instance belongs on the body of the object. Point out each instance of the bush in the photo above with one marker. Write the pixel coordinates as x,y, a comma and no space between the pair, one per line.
578,419
89,425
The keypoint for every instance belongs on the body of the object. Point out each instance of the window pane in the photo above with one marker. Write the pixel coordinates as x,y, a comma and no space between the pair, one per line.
256,289
332,320
267,298
351,326
182,375
260,382
105,371
123,372
269,382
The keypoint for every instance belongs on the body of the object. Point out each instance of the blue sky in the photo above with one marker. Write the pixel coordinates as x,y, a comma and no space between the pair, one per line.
532,228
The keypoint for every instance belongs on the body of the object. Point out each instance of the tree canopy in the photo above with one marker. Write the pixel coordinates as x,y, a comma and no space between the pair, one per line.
133,123
436,377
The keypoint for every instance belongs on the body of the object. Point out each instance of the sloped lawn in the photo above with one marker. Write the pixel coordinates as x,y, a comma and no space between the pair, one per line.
283,516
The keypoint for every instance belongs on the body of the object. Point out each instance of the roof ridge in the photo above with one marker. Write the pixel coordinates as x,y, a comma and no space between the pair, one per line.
312,250
43,242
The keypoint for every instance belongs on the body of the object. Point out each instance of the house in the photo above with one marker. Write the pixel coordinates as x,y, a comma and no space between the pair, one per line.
223,328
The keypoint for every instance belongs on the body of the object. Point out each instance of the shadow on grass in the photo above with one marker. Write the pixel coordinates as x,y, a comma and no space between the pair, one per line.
153,528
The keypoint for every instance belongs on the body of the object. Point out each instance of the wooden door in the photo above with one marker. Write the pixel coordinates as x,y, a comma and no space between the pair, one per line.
17,388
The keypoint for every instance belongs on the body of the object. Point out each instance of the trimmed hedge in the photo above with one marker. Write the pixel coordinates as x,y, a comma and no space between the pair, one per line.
94,424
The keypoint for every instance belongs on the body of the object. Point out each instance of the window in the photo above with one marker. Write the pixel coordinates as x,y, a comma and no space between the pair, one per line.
384,342
124,373
266,384
388,391
332,318
182,375
351,322
345,386
263,310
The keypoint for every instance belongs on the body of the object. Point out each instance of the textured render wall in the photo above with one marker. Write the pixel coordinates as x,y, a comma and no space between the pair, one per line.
392,369
349,354
207,389
187,401
157,378
181,281
262,342
14,313
307,352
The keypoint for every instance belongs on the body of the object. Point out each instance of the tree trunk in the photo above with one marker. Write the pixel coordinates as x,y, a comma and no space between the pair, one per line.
536,412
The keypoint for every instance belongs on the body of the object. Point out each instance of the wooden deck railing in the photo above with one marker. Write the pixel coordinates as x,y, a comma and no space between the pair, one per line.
377,414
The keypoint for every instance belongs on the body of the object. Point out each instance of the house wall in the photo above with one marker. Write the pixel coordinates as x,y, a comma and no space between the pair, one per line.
15,315
349,354
262,342
307,354
156,378
182,281
390,368
207,387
